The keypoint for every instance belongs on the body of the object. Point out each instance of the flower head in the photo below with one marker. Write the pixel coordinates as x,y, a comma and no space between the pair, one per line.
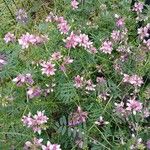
79,81
90,86
56,56
106,47
78,117
74,4
34,92
72,40
120,22
21,16
35,122
63,27
50,146
116,35
23,79
138,7
29,39
48,68
9,37
134,105
134,80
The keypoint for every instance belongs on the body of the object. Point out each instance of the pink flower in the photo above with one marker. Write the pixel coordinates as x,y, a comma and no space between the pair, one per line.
29,39
40,117
36,122
143,31
133,105
77,117
90,86
79,81
84,41
138,7
56,56
126,78
24,40
120,22
48,68
104,96
27,120
134,80
34,92
72,41
74,4
21,16
9,37
116,35
63,27
35,144
106,47
23,79
50,146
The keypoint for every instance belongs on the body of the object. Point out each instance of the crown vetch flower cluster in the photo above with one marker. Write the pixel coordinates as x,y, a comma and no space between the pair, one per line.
133,79
106,47
119,21
29,39
36,122
50,146
118,36
37,144
74,40
48,67
138,7
80,82
74,4
62,24
22,79
9,37
77,117
34,92
21,16
132,106
144,34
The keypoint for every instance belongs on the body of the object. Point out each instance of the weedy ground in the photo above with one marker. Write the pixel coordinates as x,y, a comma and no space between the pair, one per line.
118,129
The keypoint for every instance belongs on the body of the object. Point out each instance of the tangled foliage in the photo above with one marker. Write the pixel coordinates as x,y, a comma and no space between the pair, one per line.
74,74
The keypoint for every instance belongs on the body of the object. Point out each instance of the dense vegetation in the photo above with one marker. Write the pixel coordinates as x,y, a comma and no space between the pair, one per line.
74,74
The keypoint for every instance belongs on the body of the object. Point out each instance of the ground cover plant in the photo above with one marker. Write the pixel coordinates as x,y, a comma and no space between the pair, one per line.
74,74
